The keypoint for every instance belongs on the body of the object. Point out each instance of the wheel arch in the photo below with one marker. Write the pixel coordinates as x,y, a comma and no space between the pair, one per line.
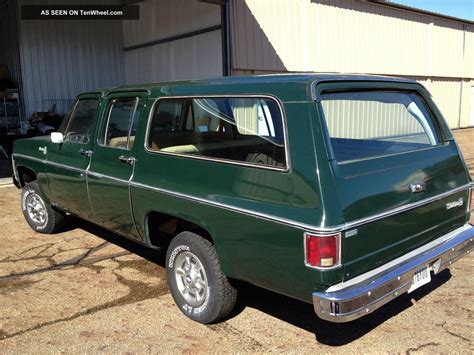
162,227
25,175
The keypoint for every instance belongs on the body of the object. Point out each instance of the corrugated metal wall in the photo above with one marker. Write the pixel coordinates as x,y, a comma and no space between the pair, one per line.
362,119
357,37
10,53
61,59
193,57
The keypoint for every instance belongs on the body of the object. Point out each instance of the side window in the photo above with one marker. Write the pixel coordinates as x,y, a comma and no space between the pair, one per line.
78,128
166,119
248,130
118,130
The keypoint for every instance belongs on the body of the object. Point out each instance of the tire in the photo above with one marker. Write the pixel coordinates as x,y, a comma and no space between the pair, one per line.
39,214
209,296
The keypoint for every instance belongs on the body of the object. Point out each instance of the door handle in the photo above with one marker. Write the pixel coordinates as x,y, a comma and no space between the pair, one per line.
127,160
418,187
86,153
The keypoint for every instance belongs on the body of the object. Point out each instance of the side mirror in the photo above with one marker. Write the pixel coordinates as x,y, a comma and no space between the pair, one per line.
57,137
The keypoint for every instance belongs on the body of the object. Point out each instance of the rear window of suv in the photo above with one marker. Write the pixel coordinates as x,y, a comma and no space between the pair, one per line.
367,124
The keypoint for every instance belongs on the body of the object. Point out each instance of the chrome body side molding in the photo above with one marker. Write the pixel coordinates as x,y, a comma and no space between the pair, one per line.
277,219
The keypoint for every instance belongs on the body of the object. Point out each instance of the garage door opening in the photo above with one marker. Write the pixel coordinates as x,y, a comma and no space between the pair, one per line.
176,39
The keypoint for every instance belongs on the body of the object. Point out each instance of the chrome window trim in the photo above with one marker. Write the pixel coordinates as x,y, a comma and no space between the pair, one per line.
286,169
111,101
306,227
73,111
137,102
437,132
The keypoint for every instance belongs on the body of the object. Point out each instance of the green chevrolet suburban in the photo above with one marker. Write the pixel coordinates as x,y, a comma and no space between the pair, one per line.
343,191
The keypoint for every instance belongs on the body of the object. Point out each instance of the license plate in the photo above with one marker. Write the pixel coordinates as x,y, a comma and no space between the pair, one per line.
420,278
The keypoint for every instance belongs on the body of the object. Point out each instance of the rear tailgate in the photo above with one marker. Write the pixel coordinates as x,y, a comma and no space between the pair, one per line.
389,219
400,178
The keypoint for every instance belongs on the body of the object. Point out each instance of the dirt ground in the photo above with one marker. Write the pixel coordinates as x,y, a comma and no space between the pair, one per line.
86,290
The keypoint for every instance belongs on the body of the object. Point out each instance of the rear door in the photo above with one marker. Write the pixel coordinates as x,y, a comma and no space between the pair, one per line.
400,179
113,162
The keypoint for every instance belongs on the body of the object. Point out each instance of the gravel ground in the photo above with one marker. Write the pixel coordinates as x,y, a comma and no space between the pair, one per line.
87,290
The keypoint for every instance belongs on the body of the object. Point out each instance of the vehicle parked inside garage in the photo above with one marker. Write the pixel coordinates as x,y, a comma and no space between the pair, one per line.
342,191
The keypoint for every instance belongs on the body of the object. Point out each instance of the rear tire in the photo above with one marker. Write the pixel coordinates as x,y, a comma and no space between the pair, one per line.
198,286
39,214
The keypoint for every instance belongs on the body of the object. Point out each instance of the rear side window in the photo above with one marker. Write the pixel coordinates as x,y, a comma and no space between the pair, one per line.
119,129
248,130
367,124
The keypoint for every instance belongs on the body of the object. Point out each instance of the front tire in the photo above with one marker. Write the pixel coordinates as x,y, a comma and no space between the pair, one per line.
39,214
198,286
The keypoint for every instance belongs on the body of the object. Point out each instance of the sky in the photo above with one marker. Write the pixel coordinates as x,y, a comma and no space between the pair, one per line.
457,8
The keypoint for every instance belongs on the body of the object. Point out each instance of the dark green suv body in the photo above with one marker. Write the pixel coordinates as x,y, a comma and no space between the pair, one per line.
343,191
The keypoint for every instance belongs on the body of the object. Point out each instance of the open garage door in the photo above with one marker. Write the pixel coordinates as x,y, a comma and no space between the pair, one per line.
175,39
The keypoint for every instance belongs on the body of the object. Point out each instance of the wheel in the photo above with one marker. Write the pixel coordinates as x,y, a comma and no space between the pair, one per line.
198,286
41,217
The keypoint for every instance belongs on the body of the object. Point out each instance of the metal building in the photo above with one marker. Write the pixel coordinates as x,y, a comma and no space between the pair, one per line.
52,61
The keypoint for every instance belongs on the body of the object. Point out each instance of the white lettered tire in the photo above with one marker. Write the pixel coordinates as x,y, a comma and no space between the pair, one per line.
39,214
198,286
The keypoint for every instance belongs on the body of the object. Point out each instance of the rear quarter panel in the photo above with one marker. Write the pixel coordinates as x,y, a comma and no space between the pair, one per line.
233,202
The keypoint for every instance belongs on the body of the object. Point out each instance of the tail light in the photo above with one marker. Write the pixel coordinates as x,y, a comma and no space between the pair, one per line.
322,251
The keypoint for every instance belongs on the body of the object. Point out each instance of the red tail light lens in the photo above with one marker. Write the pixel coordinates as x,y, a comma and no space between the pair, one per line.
323,251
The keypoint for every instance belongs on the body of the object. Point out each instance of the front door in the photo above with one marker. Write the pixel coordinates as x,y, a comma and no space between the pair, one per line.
68,161
113,162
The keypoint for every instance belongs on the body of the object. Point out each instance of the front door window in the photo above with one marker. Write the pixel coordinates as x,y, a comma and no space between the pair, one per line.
78,129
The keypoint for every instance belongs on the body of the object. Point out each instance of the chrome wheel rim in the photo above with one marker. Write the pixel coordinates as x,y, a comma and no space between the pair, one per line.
36,209
191,279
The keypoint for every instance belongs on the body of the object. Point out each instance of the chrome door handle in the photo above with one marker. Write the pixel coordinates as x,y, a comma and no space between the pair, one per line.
127,160
418,187
86,153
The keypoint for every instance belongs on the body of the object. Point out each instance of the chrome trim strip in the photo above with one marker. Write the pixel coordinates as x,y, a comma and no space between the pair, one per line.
307,227
375,289
51,163
304,226
287,169
107,177
264,216
404,208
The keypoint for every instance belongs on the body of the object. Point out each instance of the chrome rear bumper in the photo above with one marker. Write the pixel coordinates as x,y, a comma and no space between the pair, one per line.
364,294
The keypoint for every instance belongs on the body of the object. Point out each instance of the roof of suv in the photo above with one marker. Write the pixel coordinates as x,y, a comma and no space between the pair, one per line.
258,83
